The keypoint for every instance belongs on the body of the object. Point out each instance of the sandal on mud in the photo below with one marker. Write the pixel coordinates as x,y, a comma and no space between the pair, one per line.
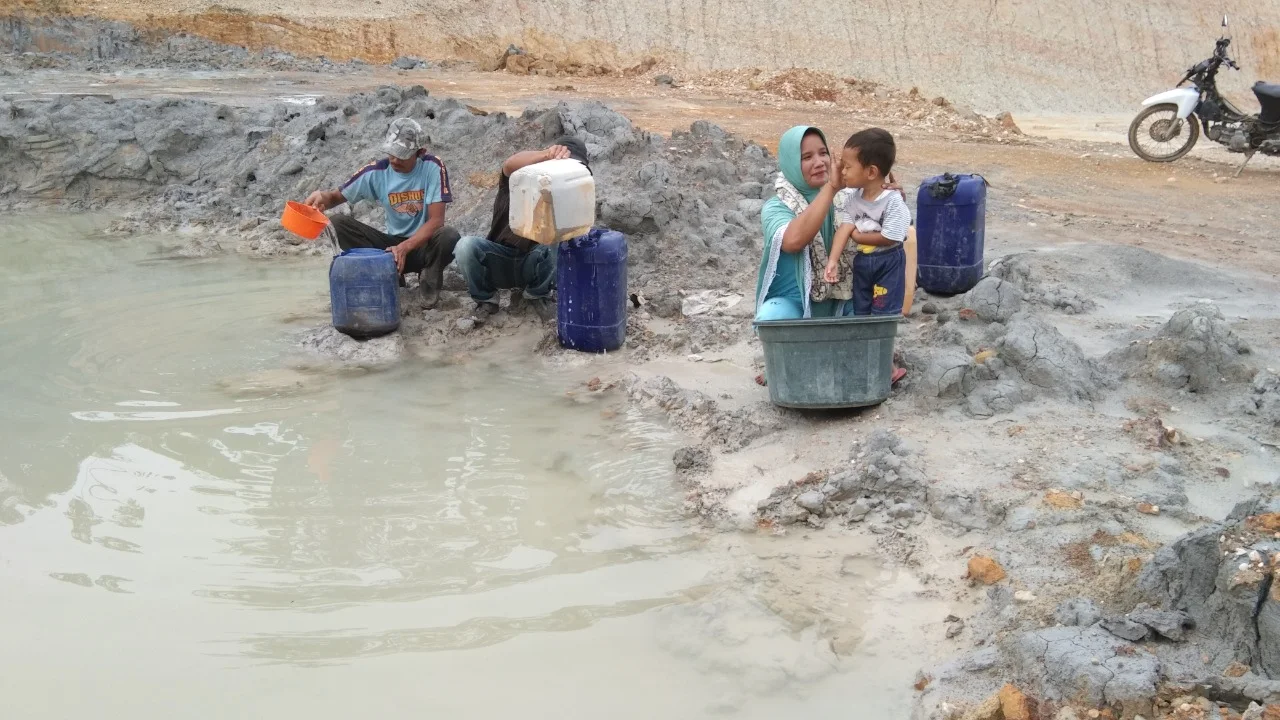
761,381
898,374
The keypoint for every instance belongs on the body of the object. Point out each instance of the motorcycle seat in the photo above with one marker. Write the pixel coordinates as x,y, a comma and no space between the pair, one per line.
1269,98
1267,90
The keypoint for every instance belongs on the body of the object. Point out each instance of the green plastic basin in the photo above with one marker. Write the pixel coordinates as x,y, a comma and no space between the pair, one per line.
829,362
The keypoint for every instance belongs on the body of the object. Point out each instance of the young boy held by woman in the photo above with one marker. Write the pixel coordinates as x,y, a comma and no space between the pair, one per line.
876,220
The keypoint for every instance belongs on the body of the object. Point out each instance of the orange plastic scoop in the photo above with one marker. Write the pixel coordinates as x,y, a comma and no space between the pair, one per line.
303,220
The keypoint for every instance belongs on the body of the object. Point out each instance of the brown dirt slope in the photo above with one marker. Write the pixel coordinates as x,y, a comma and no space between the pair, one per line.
992,54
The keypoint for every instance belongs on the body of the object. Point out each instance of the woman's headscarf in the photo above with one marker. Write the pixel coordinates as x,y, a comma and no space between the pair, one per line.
789,158
776,214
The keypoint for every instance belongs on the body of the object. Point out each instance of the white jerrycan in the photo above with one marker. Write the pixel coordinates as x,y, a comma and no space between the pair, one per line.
552,201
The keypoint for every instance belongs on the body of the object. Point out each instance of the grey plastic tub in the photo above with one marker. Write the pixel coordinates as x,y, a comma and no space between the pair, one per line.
829,362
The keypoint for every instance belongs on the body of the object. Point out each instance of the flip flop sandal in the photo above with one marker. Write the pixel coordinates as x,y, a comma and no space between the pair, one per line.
898,374
761,381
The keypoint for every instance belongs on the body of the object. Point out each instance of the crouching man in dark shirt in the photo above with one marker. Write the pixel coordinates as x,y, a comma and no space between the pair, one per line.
503,260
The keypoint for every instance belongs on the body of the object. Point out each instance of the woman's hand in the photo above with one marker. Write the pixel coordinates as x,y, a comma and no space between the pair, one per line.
892,184
835,173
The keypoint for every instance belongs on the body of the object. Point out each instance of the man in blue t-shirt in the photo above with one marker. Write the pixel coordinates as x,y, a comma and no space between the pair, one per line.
413,188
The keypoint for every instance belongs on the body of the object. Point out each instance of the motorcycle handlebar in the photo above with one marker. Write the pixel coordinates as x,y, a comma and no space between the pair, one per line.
1219,57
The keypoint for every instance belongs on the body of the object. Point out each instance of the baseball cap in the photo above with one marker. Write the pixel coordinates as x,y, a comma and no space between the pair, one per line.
404,139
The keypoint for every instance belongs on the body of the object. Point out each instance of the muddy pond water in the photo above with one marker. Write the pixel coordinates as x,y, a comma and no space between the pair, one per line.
192,526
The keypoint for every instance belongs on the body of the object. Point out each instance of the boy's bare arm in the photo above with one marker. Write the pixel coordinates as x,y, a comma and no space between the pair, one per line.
873,238
841,239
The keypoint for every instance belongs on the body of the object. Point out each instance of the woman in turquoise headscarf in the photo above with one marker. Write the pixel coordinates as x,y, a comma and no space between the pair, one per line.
798,225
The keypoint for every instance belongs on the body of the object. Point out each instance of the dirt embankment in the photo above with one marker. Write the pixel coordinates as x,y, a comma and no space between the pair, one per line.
1086,55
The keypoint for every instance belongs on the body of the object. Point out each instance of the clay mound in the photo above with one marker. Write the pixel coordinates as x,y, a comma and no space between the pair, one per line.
1027,272
96,45
1222,577
1196,350
1263,400
197,164
698,414
886,477
994,367
804,84
1069,279
993,299
1049,361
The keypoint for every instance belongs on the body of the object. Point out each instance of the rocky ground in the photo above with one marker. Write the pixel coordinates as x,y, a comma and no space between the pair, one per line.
1081,463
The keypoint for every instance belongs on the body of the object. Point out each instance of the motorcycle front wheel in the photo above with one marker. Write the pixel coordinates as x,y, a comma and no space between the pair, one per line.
1157,135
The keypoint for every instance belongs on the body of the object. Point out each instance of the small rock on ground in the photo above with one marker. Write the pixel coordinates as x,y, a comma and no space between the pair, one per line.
985,571
692,458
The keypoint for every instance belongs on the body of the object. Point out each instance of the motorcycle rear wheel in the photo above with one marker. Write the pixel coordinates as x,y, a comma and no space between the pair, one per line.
1162,116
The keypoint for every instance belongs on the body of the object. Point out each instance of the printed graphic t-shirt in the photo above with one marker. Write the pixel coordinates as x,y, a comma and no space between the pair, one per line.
888,214
405,196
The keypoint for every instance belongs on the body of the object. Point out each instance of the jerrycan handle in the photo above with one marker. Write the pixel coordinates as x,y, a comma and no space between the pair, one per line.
590,240
946,186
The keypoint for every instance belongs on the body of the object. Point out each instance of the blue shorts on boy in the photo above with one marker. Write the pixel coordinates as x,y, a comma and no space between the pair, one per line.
879,282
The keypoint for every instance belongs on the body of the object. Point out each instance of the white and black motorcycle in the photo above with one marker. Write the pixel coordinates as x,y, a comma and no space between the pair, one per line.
1171,123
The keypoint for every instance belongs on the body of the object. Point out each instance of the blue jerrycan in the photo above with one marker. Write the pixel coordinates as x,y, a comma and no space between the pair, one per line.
364,292
951,228
591,286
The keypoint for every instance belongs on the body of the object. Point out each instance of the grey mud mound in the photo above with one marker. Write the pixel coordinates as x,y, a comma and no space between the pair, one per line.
993,300
1085,666
691,458
185,163
373,352
994,367
1196,350
1075,282
696,413
1029,274
1000,349
1048,361
1263,399
886,480
1222,577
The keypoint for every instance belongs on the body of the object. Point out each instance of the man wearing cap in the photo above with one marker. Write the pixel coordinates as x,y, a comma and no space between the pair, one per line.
503,260
413,188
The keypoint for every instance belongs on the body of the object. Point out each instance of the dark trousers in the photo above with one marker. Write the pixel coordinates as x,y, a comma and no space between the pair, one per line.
489,267
879,283
437,252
